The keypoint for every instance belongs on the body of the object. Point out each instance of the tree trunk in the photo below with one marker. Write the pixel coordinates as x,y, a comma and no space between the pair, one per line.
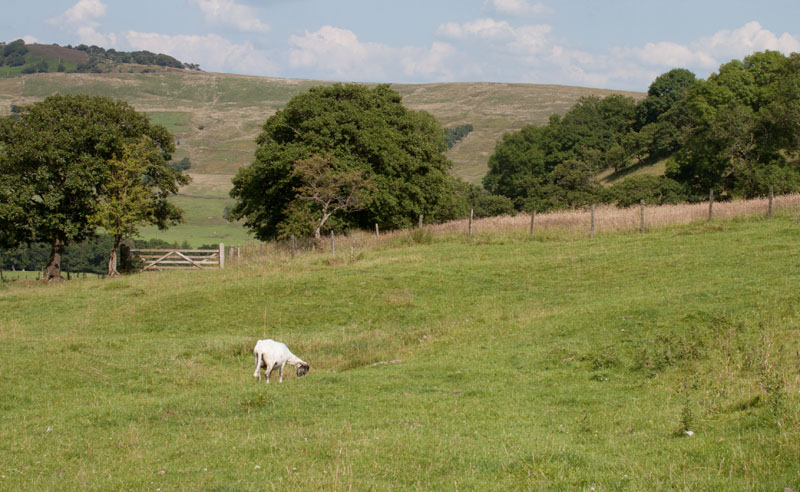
53,269
112,258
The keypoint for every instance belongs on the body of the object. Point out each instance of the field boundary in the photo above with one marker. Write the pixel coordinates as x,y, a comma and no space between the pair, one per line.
181,259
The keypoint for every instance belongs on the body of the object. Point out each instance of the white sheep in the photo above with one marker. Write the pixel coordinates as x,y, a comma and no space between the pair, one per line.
270,354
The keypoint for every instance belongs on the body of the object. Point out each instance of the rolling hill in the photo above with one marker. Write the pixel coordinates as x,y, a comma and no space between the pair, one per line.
216,117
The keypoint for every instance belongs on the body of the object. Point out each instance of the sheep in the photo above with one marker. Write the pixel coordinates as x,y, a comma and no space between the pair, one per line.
270,354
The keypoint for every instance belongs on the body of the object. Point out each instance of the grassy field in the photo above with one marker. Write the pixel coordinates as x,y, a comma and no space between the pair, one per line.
437,363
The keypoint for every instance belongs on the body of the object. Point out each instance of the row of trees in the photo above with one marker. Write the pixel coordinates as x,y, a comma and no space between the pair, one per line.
101,60
73,163
736,133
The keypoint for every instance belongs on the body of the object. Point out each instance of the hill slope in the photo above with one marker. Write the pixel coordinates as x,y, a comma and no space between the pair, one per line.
497,363
216,117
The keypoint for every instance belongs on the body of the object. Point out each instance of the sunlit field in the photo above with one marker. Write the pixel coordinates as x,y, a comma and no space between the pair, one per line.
627,361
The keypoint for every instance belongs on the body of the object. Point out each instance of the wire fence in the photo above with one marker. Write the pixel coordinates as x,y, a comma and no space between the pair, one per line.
565,224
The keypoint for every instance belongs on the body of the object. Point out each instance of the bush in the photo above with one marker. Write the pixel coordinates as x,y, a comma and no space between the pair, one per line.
654,190
181,165
493,205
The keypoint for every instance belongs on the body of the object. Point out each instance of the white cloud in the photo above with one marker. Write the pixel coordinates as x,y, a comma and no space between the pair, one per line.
745,40
708,53
668,54
532,39
518,8
337,52
30,39
82,13
82,20
500,35
211,51
232,14
331,52
480,29
432,64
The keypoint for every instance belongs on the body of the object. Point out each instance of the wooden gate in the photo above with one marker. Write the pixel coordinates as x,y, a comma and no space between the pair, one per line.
181,259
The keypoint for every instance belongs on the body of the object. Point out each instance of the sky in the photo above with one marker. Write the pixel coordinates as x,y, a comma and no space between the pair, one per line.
613,44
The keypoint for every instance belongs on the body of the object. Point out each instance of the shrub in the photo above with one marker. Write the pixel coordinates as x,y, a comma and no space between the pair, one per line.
655,190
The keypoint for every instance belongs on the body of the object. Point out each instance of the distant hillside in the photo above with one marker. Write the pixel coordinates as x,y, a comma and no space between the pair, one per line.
216,117
18,58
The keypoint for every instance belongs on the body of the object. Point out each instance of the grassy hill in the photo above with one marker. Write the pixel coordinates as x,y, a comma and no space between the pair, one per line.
216,117
496,362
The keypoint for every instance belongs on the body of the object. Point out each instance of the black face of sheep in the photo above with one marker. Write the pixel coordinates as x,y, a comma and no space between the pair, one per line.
302,370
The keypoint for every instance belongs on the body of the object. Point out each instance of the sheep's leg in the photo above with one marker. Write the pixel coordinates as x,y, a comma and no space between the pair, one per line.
281,373
257,374
269,370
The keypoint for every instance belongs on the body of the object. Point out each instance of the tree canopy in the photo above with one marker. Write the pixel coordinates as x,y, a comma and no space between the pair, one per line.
55,171
742,133
554,166
367,132
736,133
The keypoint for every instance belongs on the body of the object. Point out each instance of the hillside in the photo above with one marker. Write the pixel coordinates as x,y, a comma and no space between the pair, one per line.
497,362
216,117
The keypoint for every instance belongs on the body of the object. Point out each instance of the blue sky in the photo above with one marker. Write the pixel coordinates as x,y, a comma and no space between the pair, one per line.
617,44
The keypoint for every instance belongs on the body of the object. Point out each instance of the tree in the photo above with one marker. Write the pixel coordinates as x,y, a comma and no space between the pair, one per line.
329,190
135,193
55,165
552,166
363,130
662,94
742,126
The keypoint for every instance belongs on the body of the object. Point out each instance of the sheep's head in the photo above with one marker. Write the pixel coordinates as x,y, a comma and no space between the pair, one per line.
302,369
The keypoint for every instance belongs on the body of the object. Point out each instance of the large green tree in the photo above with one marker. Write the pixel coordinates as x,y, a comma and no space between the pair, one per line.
135,193
54,167
743,134
366,132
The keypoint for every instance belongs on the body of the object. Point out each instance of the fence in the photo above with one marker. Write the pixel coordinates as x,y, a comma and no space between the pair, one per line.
181,259
564,224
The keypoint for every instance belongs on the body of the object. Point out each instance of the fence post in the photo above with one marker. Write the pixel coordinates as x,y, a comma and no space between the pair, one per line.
333,245
230,253
771,201
420,221
377,231
641,204
533,220
238,251
592,233
471,212
221,256
710,205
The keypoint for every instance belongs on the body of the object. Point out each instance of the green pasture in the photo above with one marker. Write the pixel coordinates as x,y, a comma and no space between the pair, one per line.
492,363
173,121
204,223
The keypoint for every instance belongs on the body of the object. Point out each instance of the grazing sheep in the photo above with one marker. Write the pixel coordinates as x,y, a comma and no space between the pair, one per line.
270,354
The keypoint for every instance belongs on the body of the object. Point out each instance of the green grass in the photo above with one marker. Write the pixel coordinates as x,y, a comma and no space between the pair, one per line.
174,121
522,365
13,276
